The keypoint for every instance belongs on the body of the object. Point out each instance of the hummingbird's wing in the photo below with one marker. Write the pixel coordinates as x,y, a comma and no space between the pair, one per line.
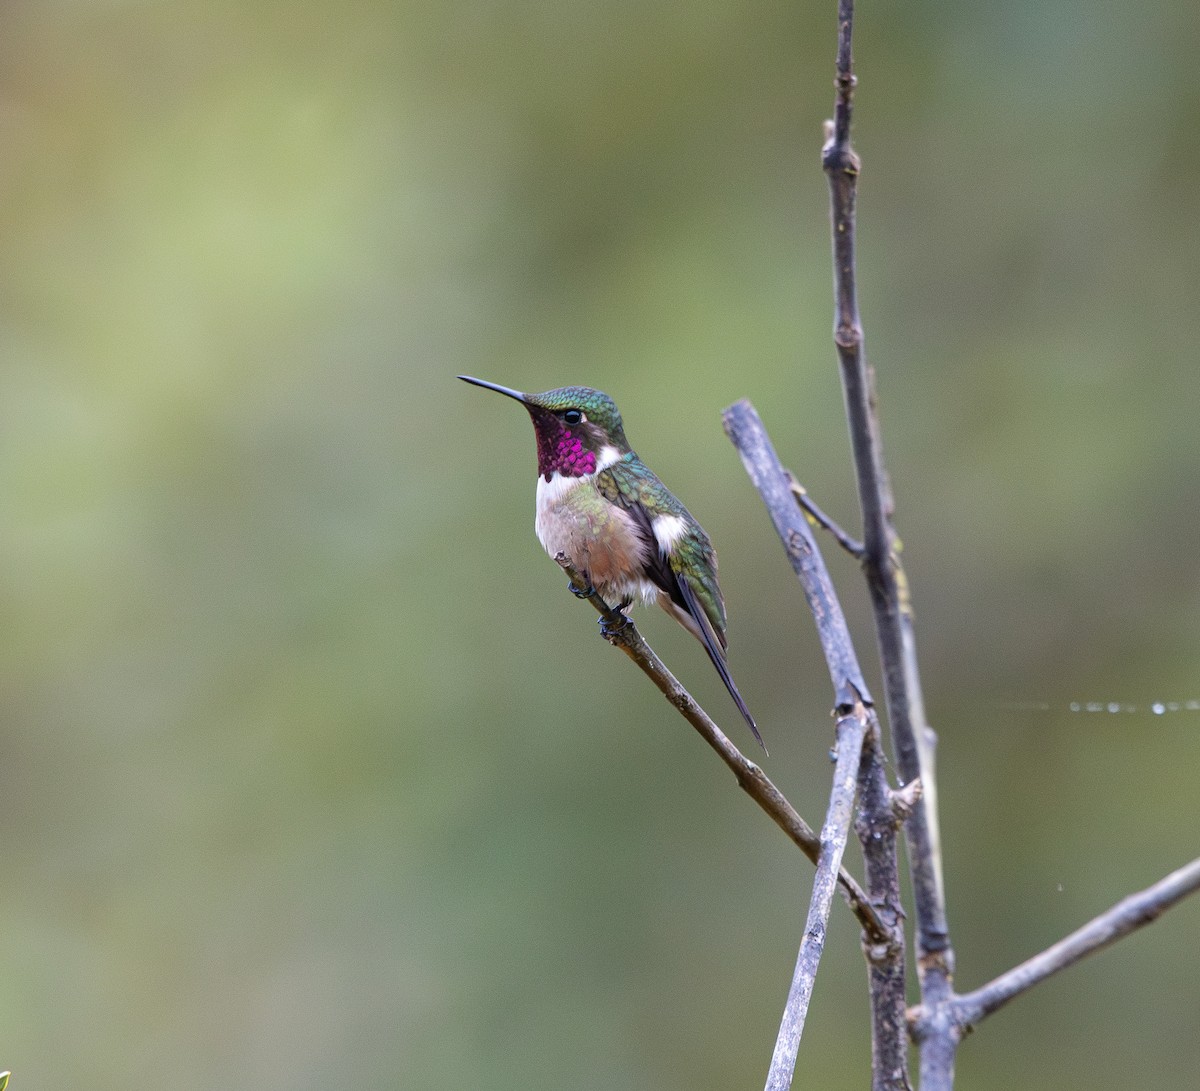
686,571
631,485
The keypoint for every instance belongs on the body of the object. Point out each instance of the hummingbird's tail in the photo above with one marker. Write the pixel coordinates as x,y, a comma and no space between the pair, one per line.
703,628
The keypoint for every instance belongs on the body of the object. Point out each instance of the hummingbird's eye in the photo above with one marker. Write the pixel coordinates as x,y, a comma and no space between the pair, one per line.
573,416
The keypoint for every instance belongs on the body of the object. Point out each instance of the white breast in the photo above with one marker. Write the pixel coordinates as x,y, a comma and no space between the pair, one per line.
550,494
600,538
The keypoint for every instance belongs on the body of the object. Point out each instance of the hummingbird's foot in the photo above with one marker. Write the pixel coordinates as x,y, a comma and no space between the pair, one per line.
609,629
581,592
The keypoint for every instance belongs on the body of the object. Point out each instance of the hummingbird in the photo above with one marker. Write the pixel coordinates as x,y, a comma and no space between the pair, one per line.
617,523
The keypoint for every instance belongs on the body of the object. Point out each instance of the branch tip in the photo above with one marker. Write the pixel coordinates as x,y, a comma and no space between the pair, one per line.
905,799
817,517
1127,916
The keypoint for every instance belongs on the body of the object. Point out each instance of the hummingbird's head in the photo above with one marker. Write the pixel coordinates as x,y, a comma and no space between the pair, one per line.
578,429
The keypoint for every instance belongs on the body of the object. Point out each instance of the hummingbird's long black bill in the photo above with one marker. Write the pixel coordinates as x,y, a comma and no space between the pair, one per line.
494,386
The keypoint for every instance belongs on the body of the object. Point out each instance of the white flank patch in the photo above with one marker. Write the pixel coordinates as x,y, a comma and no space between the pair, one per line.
608,455
668,529
642,591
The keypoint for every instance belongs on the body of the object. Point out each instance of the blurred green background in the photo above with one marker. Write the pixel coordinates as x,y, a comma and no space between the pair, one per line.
313,775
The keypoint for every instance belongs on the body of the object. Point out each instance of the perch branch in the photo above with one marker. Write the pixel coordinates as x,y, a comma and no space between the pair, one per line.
621,632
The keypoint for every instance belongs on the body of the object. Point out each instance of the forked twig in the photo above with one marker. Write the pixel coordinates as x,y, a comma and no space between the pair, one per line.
851,545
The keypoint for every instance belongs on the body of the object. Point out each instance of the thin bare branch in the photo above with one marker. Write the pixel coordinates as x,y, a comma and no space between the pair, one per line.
621,632
881,813
1128,915
911,737
851,730
878,819
851,545
774,484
